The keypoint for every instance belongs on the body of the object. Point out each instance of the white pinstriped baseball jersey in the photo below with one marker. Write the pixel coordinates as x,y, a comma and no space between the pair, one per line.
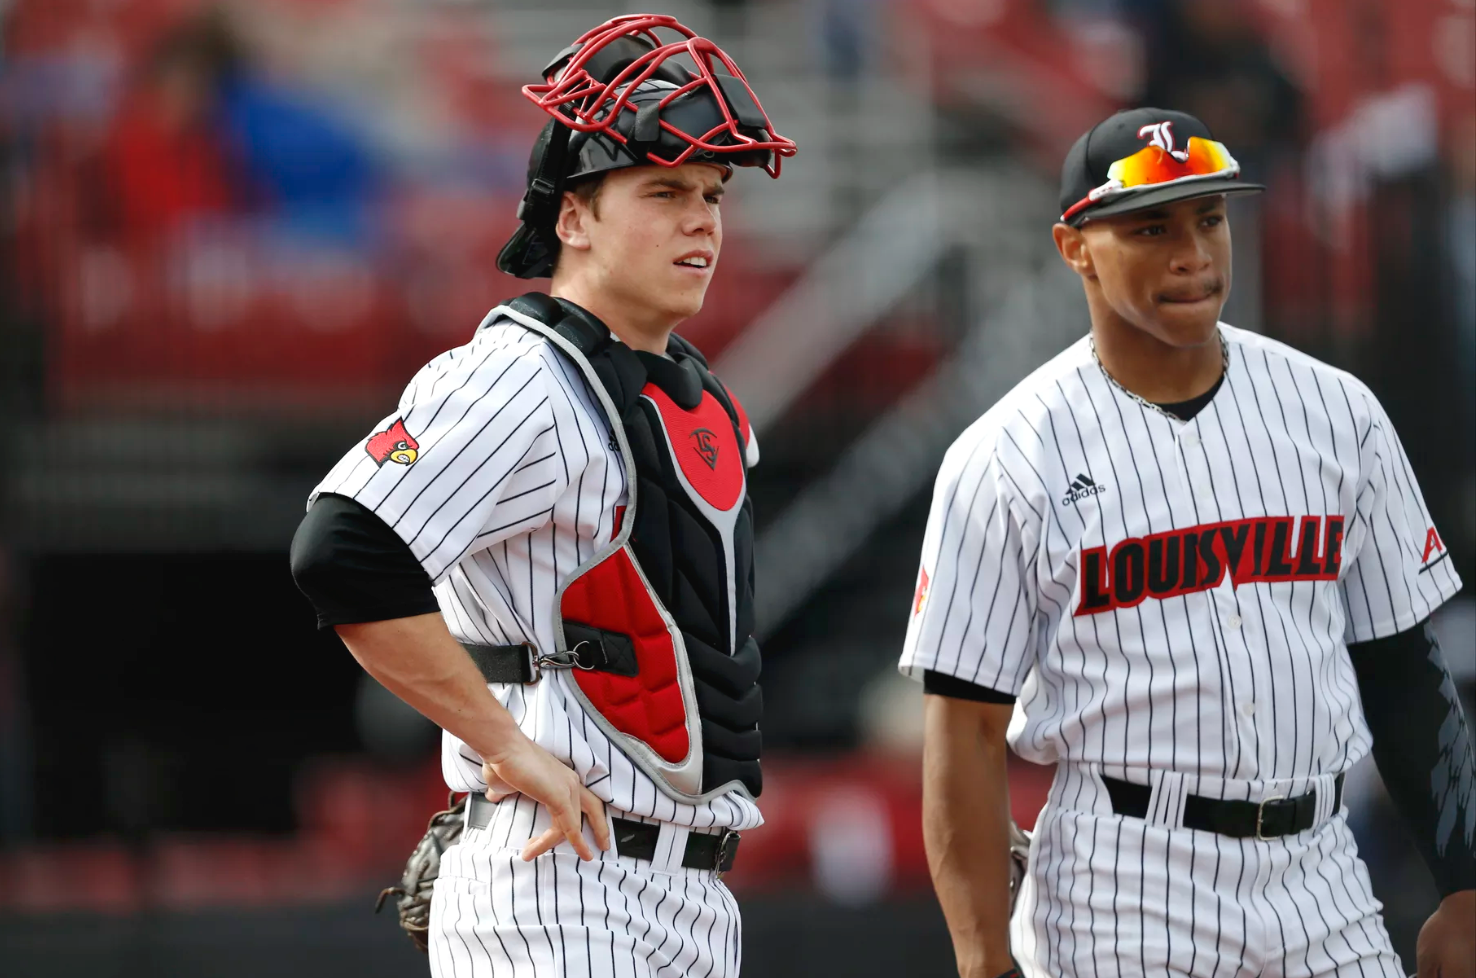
513,483
1171,601
1178,596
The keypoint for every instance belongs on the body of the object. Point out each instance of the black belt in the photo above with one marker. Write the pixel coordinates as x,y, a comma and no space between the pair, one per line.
638,839
589,648
1268,819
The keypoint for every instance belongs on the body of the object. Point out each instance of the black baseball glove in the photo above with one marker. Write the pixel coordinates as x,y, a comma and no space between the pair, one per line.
421,870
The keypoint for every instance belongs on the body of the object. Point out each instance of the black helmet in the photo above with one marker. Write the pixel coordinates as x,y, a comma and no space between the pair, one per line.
617,101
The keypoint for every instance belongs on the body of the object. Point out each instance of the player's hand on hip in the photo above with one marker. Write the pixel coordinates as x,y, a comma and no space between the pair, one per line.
524,767
1447,944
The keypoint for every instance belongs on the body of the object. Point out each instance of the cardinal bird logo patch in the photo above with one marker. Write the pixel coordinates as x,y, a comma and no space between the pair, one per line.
393,444
920,596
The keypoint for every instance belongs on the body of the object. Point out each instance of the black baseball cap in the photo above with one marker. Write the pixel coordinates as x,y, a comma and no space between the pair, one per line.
1201,170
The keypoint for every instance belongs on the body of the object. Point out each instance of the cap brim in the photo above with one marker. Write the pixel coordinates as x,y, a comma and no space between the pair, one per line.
1154,196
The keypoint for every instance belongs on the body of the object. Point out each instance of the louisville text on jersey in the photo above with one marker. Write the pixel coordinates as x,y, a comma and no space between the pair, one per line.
393,444
1164,565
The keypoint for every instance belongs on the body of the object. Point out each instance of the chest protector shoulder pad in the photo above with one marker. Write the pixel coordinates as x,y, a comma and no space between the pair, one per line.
660,621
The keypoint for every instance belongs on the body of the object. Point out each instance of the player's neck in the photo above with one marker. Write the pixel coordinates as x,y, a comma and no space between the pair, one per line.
1154,370
638,331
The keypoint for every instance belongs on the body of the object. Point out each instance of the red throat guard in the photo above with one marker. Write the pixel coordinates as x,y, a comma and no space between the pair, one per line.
582,102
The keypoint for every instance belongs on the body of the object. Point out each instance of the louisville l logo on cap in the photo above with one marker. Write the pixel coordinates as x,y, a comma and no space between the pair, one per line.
1161,134
1144,158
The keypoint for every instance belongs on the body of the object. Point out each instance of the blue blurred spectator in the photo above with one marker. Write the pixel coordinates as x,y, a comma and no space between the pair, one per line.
306,168
204,133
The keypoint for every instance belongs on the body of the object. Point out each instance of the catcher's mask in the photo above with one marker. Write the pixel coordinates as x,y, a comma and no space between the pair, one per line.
619,99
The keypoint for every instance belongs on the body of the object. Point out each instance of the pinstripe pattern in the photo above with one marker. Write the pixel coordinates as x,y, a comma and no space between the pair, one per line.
1183,902
516,486
613,917
1248,679
1070,558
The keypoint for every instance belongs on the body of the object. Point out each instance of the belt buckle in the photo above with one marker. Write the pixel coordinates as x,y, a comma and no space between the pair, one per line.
1261,814
722,853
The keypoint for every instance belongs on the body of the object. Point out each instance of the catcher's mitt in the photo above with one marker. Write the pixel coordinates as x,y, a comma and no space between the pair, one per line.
1019,861
421,870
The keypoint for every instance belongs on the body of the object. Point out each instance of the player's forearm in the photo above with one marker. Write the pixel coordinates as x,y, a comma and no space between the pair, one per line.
417,659
966,818
1422,746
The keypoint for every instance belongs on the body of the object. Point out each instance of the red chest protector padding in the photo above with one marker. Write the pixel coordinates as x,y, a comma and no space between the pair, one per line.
648,705
697,558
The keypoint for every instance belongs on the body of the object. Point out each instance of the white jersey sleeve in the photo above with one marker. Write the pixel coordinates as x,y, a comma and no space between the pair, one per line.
471,458
971,613
1398,570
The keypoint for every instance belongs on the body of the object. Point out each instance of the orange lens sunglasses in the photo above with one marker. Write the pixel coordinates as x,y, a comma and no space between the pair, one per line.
1154,166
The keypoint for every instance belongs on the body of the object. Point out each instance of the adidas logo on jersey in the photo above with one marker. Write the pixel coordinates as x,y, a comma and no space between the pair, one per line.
1082,487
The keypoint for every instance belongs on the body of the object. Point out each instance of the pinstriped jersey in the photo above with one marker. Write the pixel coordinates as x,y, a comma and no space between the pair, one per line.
1177,595
501,474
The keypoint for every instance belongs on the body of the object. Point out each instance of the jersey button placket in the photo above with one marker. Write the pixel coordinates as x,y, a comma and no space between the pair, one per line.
1193,462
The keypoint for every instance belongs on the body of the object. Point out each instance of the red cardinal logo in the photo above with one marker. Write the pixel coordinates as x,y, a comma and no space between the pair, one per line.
393,444
920,596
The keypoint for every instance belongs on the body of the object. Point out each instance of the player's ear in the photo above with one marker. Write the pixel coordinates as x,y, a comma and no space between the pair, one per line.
573,216
1072,246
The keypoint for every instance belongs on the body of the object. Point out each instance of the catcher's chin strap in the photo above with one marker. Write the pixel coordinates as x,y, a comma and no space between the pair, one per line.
421,870
540,204
533,250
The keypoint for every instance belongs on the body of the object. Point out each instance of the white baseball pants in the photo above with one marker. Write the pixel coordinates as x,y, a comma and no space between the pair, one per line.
493,914
1110,895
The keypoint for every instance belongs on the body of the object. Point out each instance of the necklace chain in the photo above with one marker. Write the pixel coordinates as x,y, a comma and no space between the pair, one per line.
1224,369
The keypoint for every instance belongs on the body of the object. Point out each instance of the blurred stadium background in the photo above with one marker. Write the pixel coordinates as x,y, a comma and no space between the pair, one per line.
229,232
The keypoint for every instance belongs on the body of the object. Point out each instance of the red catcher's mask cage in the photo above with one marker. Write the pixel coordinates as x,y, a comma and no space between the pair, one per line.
585,104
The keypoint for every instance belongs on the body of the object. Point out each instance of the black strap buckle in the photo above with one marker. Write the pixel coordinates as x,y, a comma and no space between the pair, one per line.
593,650
568,659
540,196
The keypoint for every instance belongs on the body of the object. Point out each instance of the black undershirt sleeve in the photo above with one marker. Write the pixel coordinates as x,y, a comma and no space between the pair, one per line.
1422,746
354,568
942,684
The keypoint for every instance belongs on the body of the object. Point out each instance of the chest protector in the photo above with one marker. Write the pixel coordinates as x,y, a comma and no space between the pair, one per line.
659,622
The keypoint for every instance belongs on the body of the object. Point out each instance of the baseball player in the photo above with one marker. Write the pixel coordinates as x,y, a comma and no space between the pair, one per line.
1192,568
547,547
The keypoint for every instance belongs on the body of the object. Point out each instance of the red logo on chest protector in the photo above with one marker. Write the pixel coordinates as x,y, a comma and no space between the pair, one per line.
393,444
1165,565
707,447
